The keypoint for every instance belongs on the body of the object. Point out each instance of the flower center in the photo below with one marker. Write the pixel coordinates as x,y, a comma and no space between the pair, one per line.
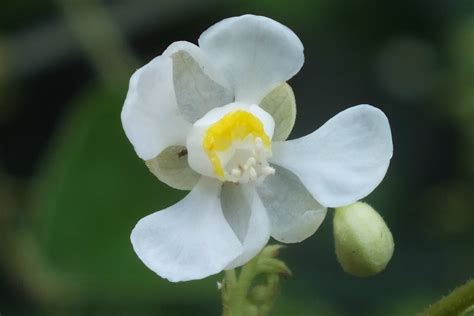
238,148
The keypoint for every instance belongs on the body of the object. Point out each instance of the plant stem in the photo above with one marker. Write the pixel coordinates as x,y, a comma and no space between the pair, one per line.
241,296
234,295
231,277
454,303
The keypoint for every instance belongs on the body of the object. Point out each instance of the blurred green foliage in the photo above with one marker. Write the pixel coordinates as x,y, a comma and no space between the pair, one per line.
65,218
91,192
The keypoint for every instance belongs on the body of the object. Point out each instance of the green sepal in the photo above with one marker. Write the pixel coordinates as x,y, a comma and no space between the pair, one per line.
171,167
280,103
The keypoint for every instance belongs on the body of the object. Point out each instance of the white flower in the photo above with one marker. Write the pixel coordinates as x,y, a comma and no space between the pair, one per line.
214,118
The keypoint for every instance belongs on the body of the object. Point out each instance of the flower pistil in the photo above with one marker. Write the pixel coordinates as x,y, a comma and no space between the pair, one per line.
239,140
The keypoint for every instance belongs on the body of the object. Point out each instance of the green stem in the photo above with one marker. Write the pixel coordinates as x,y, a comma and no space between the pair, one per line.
247,274
455,303
235,292
243,296
231,277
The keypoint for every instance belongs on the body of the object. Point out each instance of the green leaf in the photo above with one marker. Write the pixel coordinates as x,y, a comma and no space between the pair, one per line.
280,103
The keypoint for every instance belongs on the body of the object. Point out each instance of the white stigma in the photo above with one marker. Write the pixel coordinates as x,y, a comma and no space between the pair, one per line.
249,163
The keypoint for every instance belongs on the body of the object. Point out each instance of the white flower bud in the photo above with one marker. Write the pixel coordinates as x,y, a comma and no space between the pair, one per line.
364,243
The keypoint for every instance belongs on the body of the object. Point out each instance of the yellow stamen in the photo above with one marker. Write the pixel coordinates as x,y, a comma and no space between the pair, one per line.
237,125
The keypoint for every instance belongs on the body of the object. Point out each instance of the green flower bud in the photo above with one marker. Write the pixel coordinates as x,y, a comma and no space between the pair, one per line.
364,243
266,293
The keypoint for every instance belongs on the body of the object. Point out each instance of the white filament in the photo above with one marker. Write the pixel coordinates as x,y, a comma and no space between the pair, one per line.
252,163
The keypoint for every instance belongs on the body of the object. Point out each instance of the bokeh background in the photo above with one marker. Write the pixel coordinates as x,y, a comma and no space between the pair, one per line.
72,188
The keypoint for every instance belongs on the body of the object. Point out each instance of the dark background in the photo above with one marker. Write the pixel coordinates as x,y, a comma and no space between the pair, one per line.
72,188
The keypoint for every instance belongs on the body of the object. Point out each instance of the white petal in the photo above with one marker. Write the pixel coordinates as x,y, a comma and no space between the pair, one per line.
256,53
150,116
189,240
199,87
344,160
197,157
294,214
247,216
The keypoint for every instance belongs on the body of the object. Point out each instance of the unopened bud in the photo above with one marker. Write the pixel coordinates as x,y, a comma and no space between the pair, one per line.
364,243
267,292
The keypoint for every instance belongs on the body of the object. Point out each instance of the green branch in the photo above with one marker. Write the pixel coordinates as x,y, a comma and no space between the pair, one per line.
455,303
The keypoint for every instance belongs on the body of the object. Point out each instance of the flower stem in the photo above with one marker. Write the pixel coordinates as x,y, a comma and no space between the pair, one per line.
243,296
231,277
455,303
